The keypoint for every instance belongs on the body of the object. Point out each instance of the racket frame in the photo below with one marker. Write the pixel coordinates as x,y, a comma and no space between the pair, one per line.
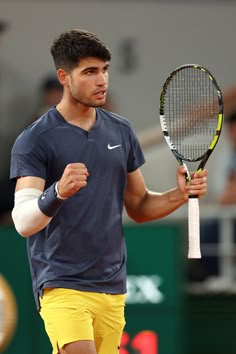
193,204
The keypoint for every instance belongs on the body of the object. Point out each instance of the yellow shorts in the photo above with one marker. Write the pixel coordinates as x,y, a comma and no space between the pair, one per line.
71,315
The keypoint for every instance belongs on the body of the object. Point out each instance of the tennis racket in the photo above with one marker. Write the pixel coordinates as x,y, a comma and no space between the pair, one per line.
191,115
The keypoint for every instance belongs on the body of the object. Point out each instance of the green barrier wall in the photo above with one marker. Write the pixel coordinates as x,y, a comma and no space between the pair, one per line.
154,304
154,254
211,323
29,336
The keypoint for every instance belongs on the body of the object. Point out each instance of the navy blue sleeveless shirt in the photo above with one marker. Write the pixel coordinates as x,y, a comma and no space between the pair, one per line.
83,246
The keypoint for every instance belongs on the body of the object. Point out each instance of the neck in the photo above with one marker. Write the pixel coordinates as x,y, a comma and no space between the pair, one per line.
79,115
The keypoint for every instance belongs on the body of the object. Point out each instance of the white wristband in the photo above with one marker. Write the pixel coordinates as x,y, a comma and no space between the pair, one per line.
57,192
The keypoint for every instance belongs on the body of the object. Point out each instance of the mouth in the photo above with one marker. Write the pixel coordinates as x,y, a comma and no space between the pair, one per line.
100,94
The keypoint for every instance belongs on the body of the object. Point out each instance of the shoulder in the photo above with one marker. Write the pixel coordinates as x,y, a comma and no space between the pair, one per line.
37,132
114,118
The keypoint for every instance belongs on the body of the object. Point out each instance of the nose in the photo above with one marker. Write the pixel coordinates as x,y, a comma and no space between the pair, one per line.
102,79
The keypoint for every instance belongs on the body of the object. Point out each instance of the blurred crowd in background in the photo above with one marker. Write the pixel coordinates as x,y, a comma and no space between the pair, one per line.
19,106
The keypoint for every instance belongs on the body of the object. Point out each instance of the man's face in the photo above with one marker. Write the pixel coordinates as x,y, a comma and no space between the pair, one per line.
88,82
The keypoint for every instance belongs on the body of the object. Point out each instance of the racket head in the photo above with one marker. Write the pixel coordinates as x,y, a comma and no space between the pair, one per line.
191,113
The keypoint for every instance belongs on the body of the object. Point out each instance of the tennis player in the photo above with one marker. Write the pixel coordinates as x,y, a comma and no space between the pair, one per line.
75,168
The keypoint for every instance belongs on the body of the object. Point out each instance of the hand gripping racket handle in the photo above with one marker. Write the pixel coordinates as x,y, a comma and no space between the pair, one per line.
194,250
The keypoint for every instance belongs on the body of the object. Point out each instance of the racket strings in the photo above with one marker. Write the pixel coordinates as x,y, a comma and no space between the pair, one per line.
191,112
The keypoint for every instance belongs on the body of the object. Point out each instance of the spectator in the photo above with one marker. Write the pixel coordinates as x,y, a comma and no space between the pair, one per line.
228,193
3,27
6,200
16,110
50,94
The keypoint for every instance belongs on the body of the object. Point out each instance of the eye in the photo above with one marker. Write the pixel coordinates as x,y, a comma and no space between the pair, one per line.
90,72
105,70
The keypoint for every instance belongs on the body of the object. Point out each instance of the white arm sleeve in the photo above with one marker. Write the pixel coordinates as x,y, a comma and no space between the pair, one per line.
27,217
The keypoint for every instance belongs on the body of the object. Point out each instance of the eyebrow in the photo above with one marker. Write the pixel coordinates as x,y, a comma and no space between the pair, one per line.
106,66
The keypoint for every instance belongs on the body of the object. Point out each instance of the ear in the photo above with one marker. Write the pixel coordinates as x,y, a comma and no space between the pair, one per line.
62,77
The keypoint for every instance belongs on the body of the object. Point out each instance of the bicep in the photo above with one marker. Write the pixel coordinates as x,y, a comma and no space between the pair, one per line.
30,182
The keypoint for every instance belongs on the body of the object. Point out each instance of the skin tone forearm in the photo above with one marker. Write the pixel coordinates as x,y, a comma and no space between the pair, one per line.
143,205
157,205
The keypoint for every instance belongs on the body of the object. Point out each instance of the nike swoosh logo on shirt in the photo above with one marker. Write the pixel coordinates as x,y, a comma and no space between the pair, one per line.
113,147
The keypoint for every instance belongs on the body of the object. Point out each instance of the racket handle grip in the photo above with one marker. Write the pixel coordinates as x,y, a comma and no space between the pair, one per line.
194,250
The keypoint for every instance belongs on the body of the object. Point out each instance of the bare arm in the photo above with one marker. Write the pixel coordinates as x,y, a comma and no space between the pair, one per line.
30,182
143,205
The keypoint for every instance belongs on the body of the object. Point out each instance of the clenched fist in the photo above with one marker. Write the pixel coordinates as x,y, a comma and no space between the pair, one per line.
74,177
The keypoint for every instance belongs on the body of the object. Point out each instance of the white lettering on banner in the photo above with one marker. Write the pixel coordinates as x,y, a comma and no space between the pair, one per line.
143,289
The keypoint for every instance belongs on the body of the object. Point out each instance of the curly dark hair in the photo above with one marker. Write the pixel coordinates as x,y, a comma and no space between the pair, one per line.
75,44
